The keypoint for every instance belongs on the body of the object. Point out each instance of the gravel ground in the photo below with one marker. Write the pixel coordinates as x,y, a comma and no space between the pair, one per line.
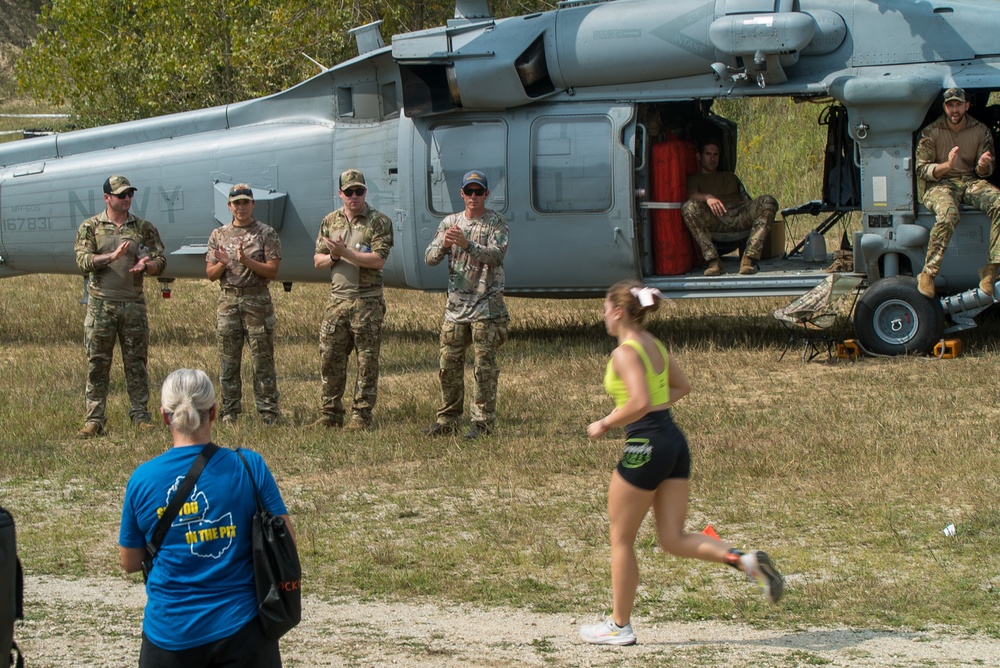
95,622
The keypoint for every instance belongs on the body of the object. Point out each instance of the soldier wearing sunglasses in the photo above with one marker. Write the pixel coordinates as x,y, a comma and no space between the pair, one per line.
475,243
115,249
353,243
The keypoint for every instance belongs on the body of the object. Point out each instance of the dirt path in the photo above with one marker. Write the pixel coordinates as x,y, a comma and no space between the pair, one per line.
95,622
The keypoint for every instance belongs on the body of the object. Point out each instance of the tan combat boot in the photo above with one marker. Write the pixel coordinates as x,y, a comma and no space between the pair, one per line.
987,276
748,265
90,430
358,423
925,284
326,422
715,268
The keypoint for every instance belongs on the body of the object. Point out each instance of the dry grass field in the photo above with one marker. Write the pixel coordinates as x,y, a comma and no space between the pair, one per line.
845,471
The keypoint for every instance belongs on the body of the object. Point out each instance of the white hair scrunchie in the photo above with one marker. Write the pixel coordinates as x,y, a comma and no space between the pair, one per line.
646,294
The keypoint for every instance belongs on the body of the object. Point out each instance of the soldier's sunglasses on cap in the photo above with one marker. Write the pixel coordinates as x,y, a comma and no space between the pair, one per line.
127,193
474,192
355,192
241,191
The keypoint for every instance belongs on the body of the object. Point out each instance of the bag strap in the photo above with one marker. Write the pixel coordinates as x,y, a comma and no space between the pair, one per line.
16,658
256,492
19,591
180,496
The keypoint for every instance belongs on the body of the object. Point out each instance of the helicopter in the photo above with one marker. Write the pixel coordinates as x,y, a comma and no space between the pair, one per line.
567,112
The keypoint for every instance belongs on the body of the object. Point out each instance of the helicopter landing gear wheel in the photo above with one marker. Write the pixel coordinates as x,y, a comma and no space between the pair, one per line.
893,318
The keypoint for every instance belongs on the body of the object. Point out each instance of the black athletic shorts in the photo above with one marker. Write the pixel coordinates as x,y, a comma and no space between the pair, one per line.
655,449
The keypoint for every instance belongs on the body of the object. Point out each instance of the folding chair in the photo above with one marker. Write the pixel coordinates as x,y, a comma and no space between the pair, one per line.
810,317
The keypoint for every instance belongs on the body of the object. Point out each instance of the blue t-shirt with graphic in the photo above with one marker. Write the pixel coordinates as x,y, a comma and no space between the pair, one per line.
201,588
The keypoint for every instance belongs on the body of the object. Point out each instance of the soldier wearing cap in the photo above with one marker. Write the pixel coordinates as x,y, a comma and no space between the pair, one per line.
954,159
475,243
115,249
244,257
353,243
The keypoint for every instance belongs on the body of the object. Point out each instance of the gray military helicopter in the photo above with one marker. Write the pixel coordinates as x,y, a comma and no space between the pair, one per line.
567,111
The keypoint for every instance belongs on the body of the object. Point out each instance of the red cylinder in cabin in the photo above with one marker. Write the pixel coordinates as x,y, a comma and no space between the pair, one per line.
671,162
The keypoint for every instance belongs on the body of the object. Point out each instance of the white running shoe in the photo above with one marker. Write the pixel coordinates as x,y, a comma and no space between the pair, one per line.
607,633
757,565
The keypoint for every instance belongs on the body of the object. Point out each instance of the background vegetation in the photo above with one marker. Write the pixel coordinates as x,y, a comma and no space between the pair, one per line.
119,60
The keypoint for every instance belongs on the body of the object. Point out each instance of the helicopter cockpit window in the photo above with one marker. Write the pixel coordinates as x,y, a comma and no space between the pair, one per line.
455,148
571,164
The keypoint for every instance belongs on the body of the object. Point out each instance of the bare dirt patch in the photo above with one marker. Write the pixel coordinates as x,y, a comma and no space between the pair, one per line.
96,622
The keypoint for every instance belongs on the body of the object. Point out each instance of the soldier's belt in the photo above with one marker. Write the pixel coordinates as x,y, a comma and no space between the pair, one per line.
238,292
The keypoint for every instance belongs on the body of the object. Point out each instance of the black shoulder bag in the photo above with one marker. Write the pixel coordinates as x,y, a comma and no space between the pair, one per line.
178,500
11,592
276,569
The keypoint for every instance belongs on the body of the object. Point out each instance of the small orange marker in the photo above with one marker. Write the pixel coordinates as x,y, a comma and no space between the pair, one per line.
710,532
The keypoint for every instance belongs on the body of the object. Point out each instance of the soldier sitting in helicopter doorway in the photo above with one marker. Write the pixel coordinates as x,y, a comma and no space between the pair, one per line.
954,159
718,202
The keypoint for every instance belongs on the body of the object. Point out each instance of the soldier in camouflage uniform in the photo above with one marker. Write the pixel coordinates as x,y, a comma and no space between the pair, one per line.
954,159
115,249
353,243
244,257
475,242
718,202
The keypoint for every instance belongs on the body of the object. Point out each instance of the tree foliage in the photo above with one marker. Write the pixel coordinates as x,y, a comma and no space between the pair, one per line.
118,60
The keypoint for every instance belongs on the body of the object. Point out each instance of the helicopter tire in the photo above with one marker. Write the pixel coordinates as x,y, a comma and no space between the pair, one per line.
893,318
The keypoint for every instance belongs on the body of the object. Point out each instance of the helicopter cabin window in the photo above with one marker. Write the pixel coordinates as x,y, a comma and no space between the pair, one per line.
571,164
454,149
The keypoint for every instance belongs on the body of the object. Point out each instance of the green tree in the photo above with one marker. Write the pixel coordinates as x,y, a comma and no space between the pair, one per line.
118,60
125,59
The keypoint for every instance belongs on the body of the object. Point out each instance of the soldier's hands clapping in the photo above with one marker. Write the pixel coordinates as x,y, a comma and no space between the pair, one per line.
118,252
454,236
952,157
337,247
985,162
221,256
139,266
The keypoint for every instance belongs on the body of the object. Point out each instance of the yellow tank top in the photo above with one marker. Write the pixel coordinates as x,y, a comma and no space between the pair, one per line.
658,384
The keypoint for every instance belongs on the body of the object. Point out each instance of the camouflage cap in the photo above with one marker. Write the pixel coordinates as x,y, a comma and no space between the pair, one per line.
476,177
116,185
352,178
954,94
240,191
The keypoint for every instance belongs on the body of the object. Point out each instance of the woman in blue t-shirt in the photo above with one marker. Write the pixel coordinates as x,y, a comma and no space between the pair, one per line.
644,382
201,607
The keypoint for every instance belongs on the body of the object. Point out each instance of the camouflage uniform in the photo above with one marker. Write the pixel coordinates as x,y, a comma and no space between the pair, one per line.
742,213
475,314
245,311
354,316
944,197
116,309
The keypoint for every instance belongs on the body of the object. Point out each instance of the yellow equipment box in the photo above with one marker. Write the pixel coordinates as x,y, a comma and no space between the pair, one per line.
948,348
849,349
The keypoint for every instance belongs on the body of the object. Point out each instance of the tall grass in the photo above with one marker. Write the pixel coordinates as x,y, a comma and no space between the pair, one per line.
846,472
781,153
